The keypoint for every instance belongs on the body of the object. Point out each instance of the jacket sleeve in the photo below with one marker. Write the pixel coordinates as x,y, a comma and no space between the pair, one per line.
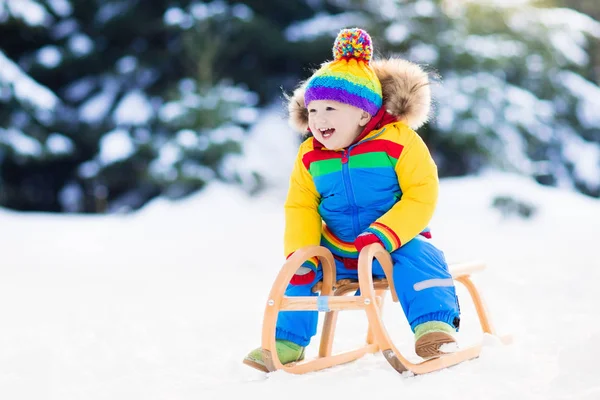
418,180
302,220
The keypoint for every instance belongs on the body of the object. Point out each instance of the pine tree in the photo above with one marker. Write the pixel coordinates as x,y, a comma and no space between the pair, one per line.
147,98
92,110
515,89
105,105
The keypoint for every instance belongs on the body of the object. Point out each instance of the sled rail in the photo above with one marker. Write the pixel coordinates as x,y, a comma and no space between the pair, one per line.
458,270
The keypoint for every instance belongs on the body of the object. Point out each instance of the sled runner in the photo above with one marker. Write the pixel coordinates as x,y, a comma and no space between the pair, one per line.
332,299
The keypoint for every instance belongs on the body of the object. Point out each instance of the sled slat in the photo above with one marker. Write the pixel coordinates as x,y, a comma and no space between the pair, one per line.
323,303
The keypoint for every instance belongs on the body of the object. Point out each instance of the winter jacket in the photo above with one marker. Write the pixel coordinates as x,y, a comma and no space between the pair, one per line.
385,183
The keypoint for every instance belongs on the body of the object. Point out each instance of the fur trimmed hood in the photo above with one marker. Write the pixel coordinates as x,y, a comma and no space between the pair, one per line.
405,88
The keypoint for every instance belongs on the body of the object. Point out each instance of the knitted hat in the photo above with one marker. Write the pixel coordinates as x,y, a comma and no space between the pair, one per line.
349,78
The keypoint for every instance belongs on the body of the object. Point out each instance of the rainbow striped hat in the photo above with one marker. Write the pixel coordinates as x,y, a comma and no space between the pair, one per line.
349,78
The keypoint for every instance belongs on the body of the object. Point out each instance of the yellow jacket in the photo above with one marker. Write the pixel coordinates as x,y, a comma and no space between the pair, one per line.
385,184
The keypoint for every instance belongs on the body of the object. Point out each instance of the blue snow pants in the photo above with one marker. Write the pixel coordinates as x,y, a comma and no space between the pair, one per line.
424,286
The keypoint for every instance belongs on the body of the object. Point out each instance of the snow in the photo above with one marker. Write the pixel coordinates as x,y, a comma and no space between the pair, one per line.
25,88
29,11
570,49
89,169
64,28
127,64
242,12
226,133
588,96
236,94
203,11
585,157
397,33
133,109
171,111
111,10
187,138
515,148
165,302
79,89
71,197
265,137
322,24
520,108
115,146
423,53
246,115
80,44
19,142
49,56
568,28
493,47
502,3
176,16
96,107
571,21
169,154
61,7
527,110
425,8
59,144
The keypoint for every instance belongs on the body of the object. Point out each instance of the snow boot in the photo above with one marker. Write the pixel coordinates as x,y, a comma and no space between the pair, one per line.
287,351
430,336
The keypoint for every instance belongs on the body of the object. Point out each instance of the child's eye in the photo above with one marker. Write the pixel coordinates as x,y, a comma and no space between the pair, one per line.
330,108
312,110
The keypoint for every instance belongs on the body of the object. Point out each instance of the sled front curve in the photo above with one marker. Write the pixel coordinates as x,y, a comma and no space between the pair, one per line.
325,302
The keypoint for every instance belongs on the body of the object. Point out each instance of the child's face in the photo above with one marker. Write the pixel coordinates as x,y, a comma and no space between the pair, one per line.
335,125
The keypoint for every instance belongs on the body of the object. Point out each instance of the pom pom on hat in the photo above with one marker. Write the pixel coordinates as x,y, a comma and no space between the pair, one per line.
353,43
349,78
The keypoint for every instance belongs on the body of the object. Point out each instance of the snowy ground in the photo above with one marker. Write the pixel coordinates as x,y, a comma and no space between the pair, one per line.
164,304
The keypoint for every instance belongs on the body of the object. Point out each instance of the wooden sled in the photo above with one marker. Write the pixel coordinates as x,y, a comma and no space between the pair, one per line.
332,300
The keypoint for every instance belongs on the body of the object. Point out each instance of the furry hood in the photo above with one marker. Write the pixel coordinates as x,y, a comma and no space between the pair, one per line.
405,89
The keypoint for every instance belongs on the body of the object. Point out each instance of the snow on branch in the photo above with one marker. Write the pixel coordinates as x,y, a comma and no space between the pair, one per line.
28,11
24,87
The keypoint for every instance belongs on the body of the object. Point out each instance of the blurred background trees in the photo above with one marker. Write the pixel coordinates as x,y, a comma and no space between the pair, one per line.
105,105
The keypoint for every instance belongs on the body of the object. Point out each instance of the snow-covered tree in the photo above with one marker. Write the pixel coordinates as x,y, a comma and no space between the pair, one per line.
103,107
516,88
108,103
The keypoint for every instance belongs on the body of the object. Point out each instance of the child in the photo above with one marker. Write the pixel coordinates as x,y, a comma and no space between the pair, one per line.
365,177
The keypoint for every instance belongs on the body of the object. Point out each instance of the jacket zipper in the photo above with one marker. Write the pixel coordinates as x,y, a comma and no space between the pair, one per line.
349,190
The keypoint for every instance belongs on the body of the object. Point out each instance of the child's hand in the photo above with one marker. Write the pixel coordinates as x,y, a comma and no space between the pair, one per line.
303,276
306,273
365,239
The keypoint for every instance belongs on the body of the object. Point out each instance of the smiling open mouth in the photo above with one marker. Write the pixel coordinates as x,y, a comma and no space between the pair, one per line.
327,132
